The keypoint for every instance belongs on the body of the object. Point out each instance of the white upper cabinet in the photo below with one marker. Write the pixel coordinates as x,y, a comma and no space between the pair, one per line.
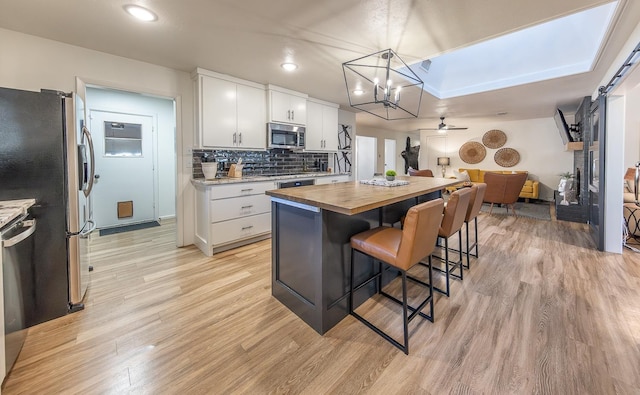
252,115
231,112
322,126
287,106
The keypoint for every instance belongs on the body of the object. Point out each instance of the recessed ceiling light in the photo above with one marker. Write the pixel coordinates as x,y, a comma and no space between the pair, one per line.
141,13
289,66
358,92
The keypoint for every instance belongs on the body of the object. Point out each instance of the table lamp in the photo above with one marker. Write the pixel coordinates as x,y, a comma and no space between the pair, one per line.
444,162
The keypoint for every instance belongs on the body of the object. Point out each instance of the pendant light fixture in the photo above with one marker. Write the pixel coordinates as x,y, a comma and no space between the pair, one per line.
383,85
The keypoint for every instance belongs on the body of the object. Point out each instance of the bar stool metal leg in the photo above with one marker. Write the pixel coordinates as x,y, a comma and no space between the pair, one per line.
474,246
406,317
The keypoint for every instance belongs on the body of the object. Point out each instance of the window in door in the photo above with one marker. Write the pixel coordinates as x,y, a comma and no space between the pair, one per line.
122,139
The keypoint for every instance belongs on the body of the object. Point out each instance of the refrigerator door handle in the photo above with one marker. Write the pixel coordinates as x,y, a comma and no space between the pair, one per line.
86,132
86,232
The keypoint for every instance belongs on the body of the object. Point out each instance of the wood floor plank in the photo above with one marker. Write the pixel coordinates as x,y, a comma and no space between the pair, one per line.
540,311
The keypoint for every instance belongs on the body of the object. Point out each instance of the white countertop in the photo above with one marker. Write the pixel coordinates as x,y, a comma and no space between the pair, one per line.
12,209
229,180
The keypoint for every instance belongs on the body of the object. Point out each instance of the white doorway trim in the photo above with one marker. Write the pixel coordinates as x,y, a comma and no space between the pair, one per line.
182,180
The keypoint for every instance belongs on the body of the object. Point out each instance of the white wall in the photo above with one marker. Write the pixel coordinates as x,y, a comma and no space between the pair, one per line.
537,141
162,109
401,143
31,63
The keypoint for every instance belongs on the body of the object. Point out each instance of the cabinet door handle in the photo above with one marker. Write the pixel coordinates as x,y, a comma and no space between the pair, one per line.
234,138
240,138
293,116
246,207
247,227
246,190
289,114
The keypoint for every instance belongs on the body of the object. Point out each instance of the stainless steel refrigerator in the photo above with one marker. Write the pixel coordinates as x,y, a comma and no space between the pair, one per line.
46,153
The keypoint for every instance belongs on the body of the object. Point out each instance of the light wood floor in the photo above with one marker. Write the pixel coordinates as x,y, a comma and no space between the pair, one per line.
539,312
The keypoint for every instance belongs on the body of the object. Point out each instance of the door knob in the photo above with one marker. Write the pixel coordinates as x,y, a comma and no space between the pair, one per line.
96,176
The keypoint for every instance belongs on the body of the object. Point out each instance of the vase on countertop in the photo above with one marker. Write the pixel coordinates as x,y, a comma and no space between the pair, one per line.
209,170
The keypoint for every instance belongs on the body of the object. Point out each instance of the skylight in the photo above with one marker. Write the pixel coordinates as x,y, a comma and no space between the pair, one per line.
553,49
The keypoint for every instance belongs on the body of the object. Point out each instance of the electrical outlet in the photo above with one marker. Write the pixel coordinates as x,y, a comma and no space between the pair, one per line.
188,151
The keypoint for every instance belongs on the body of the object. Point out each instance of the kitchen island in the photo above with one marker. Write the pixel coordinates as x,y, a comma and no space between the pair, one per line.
311,229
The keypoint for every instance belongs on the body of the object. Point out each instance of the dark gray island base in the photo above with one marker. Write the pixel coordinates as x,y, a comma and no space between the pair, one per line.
311,244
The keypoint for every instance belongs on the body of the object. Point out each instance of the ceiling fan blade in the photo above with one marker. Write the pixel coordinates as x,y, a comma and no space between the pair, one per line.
443,127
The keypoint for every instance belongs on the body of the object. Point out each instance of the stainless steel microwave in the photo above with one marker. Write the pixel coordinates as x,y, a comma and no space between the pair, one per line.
285,136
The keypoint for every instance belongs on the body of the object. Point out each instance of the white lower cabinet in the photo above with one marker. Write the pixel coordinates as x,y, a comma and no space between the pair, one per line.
231,215
240,228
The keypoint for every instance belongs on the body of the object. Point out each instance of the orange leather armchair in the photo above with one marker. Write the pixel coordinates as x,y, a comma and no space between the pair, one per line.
503,188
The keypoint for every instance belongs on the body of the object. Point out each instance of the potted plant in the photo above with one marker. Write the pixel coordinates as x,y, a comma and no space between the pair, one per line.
391,175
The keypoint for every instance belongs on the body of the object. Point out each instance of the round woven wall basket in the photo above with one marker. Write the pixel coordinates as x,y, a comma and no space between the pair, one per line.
507,157
494,138
472,152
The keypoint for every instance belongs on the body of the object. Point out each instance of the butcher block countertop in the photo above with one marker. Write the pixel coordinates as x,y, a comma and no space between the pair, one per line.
352,197
12,209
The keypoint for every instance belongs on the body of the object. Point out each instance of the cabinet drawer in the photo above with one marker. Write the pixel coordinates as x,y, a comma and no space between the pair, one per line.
240,189
237,229
332,180
224,209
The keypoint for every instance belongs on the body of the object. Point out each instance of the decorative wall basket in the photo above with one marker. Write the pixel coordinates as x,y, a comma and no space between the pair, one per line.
494,138
472,152
507,157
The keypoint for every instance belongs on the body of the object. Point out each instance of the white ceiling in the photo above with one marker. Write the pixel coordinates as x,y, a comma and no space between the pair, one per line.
250,39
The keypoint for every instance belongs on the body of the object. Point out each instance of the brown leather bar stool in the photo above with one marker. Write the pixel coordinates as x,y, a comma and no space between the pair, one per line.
452,221
420,173
401,249
475,203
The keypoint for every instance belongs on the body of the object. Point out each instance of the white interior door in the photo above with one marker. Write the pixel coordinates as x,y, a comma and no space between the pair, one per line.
390,155
366,157
124,150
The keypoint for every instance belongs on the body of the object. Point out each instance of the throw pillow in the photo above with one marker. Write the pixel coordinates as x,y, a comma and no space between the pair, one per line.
461,175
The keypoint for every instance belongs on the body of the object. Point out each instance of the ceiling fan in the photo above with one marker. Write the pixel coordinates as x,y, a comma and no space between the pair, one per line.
442,127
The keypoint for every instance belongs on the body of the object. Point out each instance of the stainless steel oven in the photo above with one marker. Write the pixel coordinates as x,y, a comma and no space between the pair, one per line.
19,284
